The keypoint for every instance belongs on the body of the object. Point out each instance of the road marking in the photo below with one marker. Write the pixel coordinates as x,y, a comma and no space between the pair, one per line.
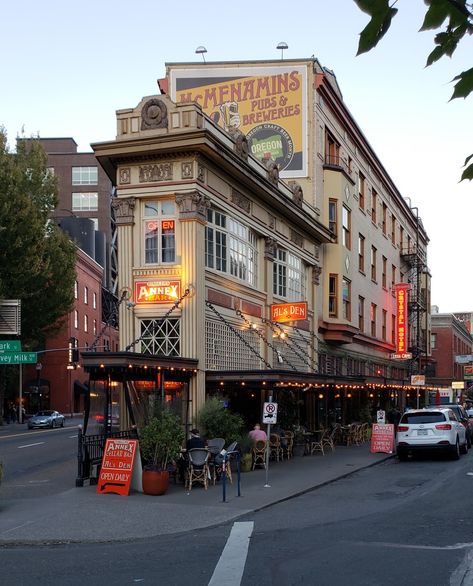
230,566
455,546
30,445
469,473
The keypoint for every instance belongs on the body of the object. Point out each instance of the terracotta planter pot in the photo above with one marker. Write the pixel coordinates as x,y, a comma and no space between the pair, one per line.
155,482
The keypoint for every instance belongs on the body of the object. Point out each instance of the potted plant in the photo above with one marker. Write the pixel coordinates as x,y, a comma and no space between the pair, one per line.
246,457
299,445
160,445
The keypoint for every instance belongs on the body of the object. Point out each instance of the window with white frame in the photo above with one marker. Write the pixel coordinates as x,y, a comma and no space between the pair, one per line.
160,232
346,296
76,319
84,175
85,201
230,247
161,337
94,300
288,276
86,295
76,289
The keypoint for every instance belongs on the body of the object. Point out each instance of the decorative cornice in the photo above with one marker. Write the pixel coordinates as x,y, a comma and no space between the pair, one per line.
154,114
158,172
124,210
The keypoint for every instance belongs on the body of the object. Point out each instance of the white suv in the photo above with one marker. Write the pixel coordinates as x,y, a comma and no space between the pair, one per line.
430,429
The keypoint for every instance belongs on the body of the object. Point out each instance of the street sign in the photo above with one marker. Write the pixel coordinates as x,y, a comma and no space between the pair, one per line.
10,346
270,413
418,379
402,356
18,357
464,358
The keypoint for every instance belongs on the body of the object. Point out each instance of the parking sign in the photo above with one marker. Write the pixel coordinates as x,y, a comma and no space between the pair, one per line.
270,413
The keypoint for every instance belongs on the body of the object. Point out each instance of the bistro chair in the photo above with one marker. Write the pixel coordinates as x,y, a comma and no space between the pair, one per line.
198,470
288,449
228,468
259,453
275,448
317,442
329,440
215,446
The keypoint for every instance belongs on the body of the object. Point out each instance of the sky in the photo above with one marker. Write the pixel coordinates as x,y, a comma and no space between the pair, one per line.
66,68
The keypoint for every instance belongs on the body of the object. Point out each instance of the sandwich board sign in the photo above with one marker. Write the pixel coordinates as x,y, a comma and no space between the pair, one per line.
117,466
270,413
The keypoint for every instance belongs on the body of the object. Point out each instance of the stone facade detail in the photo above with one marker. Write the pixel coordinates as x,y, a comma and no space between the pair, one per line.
124,210
241,142
125,176
270,247
187,170
297,238
241,201
154,114
297,193
152,173
193,206
316,272
201,173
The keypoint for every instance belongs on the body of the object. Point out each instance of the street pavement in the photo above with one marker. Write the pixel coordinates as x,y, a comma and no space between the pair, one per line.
81,515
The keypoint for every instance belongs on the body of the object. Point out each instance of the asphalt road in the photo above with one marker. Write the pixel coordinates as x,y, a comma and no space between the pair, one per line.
395,523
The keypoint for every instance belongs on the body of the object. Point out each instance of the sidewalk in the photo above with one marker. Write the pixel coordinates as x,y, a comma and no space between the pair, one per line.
82,515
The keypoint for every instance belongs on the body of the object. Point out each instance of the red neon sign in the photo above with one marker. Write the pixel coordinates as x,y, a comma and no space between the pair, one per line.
401,302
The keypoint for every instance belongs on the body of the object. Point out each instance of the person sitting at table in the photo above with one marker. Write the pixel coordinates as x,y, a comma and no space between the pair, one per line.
195,441
281,433
257,434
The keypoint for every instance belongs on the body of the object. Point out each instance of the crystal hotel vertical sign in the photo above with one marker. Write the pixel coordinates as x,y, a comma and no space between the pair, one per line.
401,330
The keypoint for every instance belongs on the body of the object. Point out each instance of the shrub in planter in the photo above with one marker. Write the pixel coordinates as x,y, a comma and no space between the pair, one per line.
218,421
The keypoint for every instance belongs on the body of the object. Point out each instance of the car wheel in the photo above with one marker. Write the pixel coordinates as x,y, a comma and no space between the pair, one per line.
62,423
464,448
402,456
52,424
456,450
468,441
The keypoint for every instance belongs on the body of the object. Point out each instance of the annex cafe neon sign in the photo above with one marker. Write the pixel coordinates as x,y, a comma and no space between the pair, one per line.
281,312
401,330
157,291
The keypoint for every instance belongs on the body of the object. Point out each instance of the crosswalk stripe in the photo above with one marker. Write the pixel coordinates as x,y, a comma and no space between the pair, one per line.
230,566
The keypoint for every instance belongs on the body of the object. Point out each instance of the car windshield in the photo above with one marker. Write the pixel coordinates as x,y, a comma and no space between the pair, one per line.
427,417
44,413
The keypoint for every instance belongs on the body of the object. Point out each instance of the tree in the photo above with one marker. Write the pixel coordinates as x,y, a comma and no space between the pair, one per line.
37,260
454,19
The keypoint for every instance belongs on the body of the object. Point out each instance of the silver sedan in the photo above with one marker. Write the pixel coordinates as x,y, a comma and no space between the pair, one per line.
46,419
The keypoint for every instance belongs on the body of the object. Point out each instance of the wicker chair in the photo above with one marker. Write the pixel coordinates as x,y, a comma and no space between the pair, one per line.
198,470
259,453
275,448
288,449
317,444
330,439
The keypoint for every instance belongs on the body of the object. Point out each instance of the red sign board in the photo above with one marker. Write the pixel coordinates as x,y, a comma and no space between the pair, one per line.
382,438
117,466
401,330
289,311
157,291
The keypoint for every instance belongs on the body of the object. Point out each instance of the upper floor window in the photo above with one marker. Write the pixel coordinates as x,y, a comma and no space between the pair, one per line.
361,191
86,323
384,324
84,175
361,313
86,295
433,341
346,227
76,289
373,263
332,150
346,285
160,232
85,201
384,277
374,205
385,218
332,296
94,300
393,229
332,216
76,319
401,236
373,319
288,276
361,253
230,247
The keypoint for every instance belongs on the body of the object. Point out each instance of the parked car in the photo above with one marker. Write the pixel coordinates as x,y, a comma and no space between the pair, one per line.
430,429
46,419
463,418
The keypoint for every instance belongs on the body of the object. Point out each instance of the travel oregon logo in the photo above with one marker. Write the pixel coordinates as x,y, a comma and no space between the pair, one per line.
271,139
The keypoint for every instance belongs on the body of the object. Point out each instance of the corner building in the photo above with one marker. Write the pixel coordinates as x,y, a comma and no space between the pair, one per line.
244,192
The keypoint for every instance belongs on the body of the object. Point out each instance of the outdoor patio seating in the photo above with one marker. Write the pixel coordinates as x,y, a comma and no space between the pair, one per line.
317,441
275,448
198,467
259,453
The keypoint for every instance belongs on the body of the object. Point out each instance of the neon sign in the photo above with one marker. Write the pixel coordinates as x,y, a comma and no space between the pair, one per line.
401,330
157,291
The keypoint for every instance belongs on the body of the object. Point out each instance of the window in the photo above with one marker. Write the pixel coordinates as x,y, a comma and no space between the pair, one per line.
385,218
384,324
76,319
361,253
332,216
95,327
332,296
86,295
361,191
160,232
361,313
393,279
373,319
393,329
384,277
433,341
374,204
332,150
373,263
288,276
230,247
86,323
84,175
85,201
401,236
393,230
161,336
346,227
408,244
346,296
94,300
76,289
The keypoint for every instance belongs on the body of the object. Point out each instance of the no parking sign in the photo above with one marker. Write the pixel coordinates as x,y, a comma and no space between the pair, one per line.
270,413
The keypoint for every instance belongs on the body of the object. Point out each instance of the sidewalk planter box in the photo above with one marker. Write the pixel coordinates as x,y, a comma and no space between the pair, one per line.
155,482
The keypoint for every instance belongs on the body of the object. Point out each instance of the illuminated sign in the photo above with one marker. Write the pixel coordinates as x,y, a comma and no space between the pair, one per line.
289,311
157,291
402,333
267,103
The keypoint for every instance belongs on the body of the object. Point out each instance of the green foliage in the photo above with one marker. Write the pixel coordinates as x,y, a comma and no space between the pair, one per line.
37,260
161,440
217,421
456,18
